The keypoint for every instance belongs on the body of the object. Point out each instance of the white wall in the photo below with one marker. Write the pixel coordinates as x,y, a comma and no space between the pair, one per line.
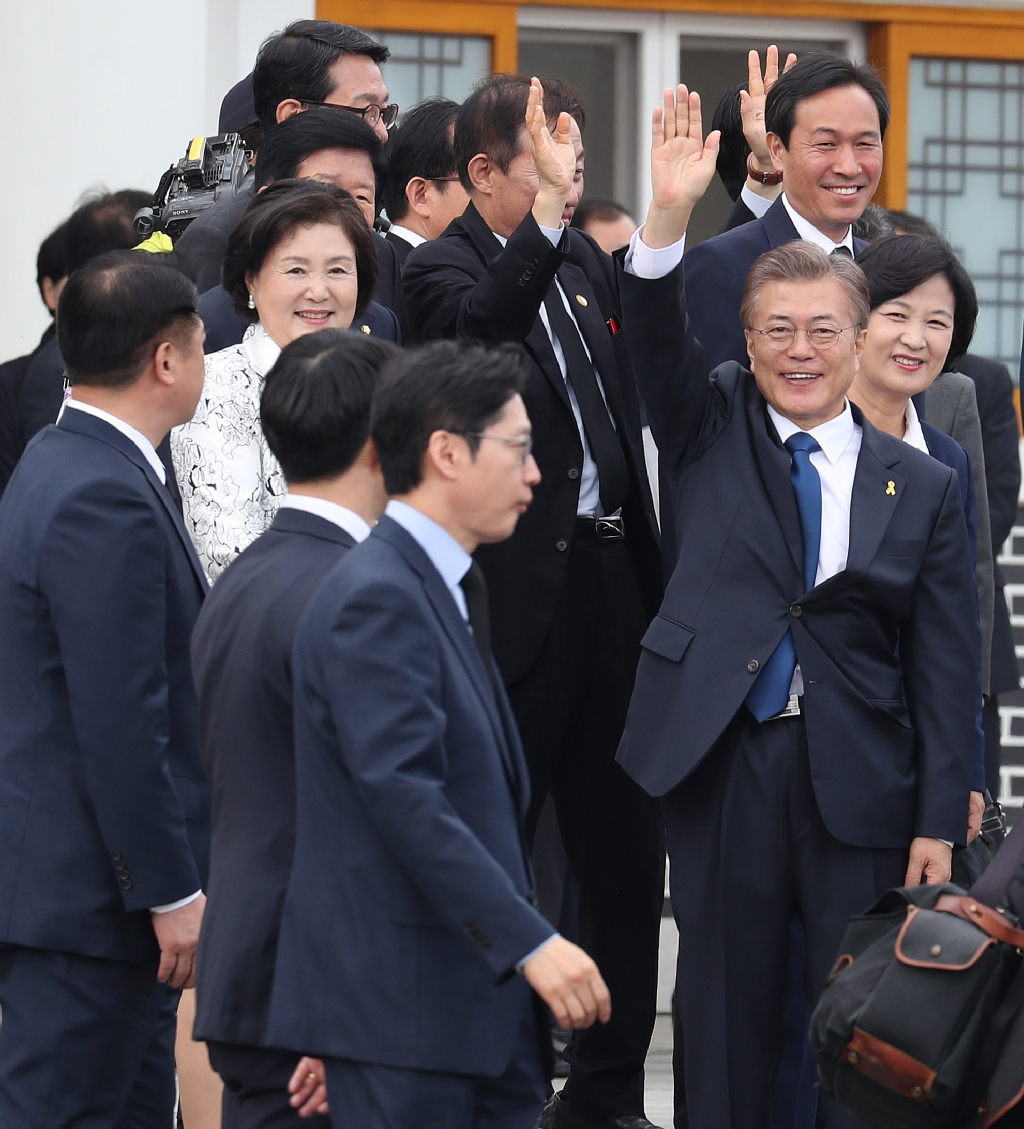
104,93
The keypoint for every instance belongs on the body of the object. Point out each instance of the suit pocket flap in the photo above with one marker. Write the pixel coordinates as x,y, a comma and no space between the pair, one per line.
667,638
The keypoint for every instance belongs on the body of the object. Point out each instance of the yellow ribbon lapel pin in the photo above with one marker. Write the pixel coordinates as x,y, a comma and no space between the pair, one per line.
890,487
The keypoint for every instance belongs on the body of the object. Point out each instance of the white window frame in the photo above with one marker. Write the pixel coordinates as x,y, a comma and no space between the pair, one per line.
658,35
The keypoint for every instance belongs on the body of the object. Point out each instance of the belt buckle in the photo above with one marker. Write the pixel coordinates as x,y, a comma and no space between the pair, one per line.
791,709
609,528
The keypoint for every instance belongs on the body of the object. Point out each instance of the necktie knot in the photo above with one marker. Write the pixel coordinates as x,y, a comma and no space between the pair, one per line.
802,441
845,252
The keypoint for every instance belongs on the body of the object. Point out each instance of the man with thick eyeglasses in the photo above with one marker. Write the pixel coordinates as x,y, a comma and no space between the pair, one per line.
800,704
310,63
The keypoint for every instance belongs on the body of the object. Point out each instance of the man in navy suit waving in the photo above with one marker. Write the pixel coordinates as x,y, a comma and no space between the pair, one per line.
825,119
410,948
801,701
105,828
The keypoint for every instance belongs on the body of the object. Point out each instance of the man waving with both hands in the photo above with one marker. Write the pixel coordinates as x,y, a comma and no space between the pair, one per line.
800,701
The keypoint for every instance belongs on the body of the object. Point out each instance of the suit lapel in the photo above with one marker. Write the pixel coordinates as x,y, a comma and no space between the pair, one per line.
456,629
778,226
877,489
537,340
82,422
774,463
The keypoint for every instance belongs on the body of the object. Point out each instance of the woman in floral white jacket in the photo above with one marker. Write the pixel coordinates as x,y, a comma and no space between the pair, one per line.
302,259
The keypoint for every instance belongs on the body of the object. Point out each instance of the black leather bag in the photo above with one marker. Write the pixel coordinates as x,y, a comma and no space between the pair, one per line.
921,1024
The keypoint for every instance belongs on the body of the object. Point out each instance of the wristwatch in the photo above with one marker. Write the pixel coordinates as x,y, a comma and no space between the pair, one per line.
768,179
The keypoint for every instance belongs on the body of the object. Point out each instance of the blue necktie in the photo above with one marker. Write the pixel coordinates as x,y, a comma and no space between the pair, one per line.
770,692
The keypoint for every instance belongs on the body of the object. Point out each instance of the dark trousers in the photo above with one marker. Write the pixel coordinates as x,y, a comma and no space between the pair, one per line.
368,1096
748,851
84,1043
256,1088
571,708
992,727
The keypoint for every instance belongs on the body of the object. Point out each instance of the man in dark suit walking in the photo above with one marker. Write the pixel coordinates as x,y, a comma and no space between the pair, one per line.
408,916
104,835
572,590
825,119
800,702
315,412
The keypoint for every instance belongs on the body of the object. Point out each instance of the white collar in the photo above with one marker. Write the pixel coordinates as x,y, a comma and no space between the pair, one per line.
446,554
262,349
833,436
808,231
126,430
336,514
914,435
413,238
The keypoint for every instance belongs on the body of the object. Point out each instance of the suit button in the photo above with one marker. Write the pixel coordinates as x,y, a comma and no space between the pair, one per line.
574,473
127,884
753,666
561,546
796,611
117,856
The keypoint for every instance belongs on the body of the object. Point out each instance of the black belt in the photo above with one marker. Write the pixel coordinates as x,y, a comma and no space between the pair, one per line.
601,528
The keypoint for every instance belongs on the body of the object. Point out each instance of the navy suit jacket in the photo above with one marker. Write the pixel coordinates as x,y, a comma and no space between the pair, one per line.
883,645
104,800
410,900
225,326
242,659
716,271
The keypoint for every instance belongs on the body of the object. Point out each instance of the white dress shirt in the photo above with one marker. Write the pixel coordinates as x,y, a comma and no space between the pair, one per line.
153,459
806,230
589,504
757,204
913,434
336,514
231,484
413,238
126,429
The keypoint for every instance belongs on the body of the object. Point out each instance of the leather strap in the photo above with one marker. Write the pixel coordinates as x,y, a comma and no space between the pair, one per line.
983,916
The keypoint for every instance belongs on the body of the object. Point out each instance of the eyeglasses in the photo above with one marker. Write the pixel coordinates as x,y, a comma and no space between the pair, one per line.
372,114
523,442
821,337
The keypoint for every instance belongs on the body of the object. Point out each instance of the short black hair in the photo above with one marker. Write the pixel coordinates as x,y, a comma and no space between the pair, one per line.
492,118
898,264
909,224
51,261
115,310
287,145
296,63
813,74
315,406
420,146
599,209
733,149
102,224
452,386
873,223
275,213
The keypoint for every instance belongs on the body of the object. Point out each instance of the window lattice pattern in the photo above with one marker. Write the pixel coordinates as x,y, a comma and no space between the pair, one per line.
425,66
966,175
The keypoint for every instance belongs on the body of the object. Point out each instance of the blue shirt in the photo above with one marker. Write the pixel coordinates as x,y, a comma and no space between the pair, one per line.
446,555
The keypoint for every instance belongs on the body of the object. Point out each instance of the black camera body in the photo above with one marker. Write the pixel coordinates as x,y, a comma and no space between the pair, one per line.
212,169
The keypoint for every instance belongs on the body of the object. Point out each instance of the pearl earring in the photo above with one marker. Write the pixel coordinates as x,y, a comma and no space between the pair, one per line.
252,302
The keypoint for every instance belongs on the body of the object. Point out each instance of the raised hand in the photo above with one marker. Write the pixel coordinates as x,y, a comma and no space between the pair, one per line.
682,165
554,156
752,103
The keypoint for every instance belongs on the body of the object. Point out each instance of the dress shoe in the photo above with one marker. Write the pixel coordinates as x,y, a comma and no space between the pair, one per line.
557,1115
